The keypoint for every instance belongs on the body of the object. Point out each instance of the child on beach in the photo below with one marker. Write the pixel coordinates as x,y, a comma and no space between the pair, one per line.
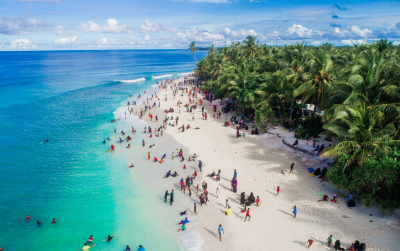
247,215
148,155
258,201
217,192
184,166
329,240
197,188
310,242
277,191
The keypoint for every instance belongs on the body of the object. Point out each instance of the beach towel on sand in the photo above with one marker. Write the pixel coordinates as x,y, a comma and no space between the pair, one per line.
310,170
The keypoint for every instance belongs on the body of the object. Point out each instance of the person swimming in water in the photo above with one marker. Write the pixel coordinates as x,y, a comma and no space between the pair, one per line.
54,221
90,240
38,223
109,238
104,141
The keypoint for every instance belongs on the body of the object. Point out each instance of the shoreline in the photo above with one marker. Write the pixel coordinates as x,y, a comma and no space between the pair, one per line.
258,160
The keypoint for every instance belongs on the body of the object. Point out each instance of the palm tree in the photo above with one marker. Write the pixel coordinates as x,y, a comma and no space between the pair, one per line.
251,46
317,89
193,48
277,89
360,133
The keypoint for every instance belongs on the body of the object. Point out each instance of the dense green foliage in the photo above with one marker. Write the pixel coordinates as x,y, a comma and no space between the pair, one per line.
377,181
357,88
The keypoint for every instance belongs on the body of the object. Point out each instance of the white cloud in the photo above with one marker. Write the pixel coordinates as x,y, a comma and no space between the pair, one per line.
235,34
338,32
63,32
359,32
23,44
111,27
315,43
155,27
68,40
352,41
43,1
19,25
147,37
300,31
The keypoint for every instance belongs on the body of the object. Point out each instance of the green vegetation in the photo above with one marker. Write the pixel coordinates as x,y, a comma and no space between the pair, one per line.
357,88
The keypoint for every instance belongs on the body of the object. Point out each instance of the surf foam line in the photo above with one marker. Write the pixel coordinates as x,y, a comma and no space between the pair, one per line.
154,77
133,80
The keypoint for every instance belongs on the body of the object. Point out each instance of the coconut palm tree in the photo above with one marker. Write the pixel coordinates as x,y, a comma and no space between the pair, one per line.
360,134
317,89
193,48
251,46
278,90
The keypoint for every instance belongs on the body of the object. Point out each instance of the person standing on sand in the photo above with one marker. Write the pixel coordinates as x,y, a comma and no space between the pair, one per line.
200,165
247,215
294,211
310,242
234,175
143,143
193,116
190,192
195,210
291,167
217,192
166,196
220,231
171,197
329,241
277,191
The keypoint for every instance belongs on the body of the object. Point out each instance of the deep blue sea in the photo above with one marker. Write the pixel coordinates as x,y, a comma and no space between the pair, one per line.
64,96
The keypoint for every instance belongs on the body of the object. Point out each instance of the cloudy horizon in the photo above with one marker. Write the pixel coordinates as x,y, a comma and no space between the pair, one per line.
124,24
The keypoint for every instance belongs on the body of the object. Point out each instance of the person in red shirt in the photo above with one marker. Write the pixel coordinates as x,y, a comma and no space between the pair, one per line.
247,215
310,242
258,201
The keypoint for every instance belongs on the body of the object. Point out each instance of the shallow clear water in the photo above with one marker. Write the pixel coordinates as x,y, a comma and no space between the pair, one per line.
64,97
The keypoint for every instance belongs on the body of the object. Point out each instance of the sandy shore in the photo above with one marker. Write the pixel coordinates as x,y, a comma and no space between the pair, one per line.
258,161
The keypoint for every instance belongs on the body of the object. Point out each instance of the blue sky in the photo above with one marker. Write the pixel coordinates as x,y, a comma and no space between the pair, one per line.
155,24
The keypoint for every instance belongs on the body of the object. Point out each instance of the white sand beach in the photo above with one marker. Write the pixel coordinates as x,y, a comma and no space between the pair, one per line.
258,160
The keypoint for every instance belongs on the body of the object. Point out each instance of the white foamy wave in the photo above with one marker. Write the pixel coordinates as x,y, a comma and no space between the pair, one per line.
162,76
133,80
187,73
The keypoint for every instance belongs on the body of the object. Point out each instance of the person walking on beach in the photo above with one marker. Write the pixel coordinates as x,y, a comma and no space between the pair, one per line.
294,211
247,215
200,165
171,197
195,209
220,231
310,242
190,192
86,247
217,192
277,191
143,143
329,241
166,196
291,167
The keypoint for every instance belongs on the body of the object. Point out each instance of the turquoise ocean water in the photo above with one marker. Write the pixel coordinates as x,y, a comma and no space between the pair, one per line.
64,96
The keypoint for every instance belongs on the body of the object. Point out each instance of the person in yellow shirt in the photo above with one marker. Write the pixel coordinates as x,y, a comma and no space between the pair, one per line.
228,211
86,247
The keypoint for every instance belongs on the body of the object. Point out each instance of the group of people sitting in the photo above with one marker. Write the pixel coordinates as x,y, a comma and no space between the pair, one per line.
169,174
356,246
169,110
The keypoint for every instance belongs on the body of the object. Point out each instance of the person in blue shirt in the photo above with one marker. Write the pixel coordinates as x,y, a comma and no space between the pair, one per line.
141,248
294,211
220,231
234,175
